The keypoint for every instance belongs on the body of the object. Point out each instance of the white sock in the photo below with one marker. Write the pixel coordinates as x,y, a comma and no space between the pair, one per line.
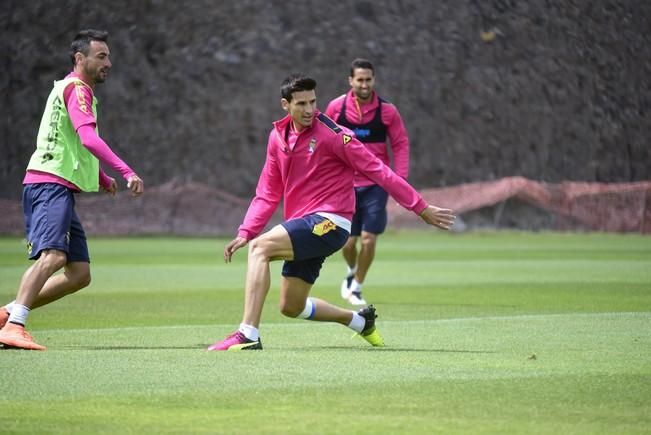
309,310
357,323
355,286
250,332
352,270
19,314
10,306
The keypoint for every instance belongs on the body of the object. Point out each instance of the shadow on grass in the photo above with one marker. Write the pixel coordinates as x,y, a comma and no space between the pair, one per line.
190,347
387,349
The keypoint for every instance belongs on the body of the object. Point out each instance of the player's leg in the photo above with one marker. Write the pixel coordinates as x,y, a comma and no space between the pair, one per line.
76,273
35,278
349,250
311,247
48,210
366,255
374,221
272,245
294,302
75,276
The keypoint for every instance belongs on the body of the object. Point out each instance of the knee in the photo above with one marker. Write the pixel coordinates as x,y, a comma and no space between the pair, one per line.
83,280
52,260
258,249
368,240
291,308
79,275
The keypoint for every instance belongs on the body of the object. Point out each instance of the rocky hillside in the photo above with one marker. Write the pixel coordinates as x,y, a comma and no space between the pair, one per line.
546,89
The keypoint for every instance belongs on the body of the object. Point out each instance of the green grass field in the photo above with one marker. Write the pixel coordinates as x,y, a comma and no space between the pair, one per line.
487,333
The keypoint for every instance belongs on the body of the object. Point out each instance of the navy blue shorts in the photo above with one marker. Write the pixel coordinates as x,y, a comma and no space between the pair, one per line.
52,223
313,239
370,210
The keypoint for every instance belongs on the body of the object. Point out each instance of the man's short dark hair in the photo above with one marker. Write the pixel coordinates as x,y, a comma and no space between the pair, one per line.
81,43
296,83
360,63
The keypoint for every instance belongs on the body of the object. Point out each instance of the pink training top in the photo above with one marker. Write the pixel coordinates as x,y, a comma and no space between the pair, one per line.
78,104
363,113
316,175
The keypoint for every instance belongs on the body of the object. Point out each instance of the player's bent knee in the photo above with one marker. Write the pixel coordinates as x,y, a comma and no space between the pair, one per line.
258,248
289,310
304,310
83,280
52,260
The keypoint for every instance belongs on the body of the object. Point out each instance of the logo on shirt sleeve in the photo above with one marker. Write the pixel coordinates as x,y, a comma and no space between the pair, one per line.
81,99
346,138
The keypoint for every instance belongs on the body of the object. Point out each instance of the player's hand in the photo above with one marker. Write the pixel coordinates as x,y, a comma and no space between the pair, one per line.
233,246
135,185
439,217
112,187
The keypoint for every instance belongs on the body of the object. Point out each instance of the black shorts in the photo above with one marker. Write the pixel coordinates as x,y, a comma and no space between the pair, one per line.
313,239
370,210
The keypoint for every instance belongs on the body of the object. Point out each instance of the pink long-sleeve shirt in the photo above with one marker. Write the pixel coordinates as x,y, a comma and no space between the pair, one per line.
316,175
78,99
357,113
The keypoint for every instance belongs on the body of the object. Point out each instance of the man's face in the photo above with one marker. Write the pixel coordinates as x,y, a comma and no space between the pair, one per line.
302,108
362,83
96,65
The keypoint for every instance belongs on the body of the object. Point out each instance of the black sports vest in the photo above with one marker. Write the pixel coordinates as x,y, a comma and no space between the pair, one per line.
371,132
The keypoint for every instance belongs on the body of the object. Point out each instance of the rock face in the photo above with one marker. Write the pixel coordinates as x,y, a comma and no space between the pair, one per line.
550,90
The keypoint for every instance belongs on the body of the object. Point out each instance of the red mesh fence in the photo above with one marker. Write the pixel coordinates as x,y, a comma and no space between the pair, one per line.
197,209
611,207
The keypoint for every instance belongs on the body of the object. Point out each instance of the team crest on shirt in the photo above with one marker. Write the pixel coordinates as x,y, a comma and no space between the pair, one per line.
312,145
324,227
346,138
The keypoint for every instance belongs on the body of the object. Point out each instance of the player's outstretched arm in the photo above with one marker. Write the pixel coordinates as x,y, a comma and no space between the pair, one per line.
439,217
233,246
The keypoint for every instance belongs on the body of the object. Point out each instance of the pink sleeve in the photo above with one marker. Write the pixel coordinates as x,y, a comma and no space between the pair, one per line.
104,180
79,99
79,102
101,150
362,160
267,196
398,138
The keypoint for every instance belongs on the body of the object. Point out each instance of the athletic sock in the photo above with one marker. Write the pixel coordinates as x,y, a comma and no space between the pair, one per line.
309,310
352,270
19,314
250,332
9,306
357,323
355,286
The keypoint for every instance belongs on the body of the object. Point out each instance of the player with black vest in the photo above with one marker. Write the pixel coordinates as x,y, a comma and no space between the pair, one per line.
374,121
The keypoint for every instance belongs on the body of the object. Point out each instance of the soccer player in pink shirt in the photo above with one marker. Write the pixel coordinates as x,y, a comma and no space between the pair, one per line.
310,165
66,161
374,122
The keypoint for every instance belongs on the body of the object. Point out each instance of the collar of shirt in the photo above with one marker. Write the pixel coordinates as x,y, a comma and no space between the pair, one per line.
285,130
363,108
